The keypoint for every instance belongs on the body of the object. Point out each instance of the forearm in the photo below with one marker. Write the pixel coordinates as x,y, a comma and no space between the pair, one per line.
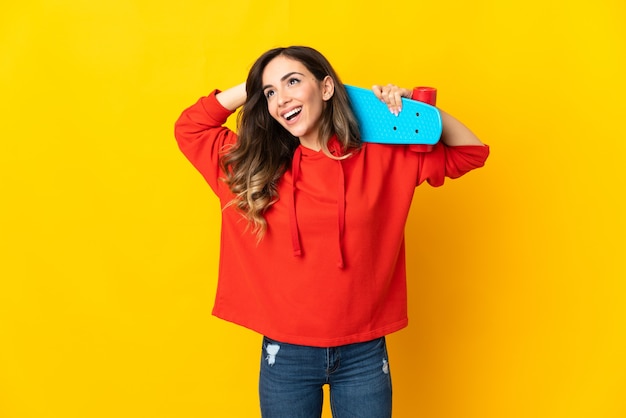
455,133
233,97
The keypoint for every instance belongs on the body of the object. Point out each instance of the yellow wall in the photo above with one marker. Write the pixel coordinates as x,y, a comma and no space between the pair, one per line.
108,238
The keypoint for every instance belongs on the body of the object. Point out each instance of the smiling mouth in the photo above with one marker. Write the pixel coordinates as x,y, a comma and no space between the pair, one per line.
293,113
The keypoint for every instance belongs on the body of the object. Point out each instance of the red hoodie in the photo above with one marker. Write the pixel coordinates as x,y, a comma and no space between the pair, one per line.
330,269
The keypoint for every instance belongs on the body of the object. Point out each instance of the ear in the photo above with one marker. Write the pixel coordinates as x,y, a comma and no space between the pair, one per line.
328,88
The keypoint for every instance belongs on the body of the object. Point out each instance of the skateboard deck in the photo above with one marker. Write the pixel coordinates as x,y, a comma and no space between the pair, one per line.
417,123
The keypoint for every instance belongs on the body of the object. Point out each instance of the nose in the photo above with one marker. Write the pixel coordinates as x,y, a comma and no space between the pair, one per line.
283,98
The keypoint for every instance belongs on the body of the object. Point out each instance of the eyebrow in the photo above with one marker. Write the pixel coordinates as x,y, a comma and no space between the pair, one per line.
283,78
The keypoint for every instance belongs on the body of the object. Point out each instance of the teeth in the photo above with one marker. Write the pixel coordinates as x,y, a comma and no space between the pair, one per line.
292,113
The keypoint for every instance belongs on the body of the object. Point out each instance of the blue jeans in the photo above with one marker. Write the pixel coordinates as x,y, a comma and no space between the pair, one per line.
292,376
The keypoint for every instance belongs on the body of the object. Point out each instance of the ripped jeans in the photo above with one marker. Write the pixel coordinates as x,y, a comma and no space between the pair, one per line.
292,377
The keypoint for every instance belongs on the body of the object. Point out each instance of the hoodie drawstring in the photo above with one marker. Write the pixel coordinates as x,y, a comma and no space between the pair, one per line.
341,212
293,220
341,207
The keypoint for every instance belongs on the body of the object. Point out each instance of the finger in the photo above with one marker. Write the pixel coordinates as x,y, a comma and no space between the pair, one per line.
378,91
394,99
398,100
385,94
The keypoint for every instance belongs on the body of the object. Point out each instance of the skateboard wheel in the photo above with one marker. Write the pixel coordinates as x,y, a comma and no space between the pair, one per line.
426,95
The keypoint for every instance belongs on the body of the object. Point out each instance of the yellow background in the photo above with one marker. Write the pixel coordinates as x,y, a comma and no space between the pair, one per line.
109,238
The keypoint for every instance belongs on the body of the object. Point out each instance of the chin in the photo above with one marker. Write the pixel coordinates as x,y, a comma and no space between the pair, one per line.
296,132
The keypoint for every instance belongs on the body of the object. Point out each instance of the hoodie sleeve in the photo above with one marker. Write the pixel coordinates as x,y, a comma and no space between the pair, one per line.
202,138
440,161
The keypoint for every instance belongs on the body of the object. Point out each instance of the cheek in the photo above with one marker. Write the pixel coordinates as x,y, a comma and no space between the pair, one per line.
271,109
319,110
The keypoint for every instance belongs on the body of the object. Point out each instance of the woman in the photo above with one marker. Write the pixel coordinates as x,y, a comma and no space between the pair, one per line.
317,264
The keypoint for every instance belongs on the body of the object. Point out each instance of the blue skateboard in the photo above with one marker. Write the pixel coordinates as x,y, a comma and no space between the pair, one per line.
417,123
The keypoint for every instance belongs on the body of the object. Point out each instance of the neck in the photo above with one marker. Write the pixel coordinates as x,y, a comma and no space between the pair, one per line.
309,143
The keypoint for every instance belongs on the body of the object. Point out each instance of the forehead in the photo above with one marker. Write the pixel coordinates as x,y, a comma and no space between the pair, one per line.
281,66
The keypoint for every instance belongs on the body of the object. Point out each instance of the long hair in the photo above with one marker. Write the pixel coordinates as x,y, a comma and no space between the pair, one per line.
264,149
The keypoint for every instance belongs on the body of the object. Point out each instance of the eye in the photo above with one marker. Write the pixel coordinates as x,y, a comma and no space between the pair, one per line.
292,81
269,93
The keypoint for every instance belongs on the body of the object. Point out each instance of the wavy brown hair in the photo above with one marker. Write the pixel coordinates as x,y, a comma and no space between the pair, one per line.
264,149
